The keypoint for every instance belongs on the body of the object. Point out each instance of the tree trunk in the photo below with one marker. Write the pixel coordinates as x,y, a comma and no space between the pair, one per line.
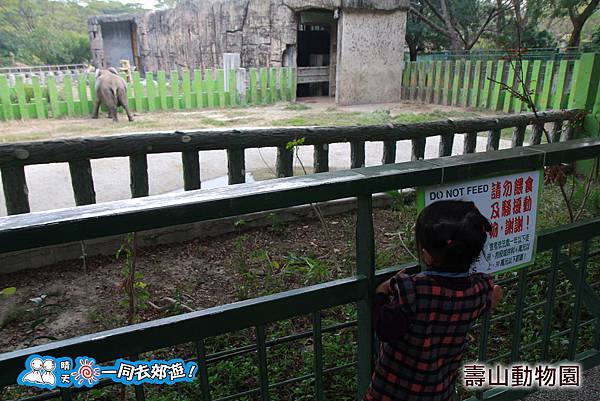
413,50
575,34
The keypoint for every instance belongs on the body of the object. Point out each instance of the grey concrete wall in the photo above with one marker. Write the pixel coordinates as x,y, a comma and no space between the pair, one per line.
370,56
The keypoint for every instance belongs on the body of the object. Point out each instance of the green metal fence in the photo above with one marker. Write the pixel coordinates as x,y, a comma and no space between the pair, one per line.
554,84
550,53
574,264
161,91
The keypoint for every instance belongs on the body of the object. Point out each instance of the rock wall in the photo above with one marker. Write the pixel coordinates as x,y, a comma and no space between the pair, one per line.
370,56
196,33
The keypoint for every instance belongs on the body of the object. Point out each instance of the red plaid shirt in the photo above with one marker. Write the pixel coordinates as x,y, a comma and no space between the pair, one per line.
421,356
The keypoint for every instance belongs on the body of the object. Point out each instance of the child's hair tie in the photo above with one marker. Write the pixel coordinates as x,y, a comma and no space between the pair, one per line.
449,242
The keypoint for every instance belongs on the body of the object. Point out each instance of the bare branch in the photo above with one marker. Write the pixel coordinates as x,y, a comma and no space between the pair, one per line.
429,23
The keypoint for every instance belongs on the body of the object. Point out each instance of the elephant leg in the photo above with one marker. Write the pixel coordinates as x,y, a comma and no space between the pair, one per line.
96,108
129,115
122,100
113,111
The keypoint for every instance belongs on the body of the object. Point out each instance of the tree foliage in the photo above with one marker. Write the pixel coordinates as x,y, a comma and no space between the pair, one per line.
50,32
461,22
578,11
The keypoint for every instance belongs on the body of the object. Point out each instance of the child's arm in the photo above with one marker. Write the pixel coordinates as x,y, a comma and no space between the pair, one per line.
389,320
497,293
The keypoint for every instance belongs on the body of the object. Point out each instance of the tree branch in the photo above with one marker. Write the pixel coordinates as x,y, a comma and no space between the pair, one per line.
489,19
429,23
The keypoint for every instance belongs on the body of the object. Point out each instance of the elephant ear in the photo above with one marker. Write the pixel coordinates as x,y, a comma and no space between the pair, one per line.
113,70
98,73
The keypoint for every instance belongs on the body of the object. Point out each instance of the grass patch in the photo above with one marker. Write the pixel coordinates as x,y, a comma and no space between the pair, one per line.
296,107
382,116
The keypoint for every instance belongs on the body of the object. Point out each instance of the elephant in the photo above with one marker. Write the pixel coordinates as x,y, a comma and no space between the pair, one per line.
111,90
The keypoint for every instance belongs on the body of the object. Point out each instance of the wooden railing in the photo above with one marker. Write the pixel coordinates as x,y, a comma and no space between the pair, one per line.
14,157
195,328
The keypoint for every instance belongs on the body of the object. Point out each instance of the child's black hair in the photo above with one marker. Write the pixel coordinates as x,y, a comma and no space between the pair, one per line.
453,233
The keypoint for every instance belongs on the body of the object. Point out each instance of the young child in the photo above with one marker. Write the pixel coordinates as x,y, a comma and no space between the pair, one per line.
422,321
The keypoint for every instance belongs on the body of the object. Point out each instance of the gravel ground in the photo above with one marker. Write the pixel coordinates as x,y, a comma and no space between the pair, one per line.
590,391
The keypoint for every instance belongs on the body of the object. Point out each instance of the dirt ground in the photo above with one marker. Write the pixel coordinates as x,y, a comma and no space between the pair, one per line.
200,274
307,110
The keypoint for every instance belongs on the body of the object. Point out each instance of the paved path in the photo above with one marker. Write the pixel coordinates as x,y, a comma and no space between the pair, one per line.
50,186
590,391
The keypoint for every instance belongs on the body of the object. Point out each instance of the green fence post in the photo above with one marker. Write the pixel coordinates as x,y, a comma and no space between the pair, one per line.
437,88
233,95
534,79
558,100
485,94
293,83
283,84
510,83
473,100
496,98
92,84
429,81
464,94
446,88
543,100
365,266
151,91
209,84
186,89
274,96
456,82
21,99
40,111
585,94
405,81
252,93
421,80
220,86
53,95
197,89
175,90
7,110
413,80
138,91
264,77
84,104
162,90
523,75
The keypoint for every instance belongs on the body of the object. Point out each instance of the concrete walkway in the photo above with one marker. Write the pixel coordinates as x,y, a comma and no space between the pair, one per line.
50,185
590,391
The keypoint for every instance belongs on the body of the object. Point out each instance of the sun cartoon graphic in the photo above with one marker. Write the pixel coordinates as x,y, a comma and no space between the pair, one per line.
86,372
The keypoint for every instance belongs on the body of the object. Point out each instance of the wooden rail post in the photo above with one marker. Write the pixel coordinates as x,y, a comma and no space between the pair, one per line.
446,143
357,154
285,162
236,165
518,136
138,172
470,143
493,141
321,158
191,170
418,148
16,193
82,182
389,152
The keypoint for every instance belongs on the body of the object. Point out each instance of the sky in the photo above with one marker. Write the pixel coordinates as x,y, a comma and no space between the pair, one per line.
147,3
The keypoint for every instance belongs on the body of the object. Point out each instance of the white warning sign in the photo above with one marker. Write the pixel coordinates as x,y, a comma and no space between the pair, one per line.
510,203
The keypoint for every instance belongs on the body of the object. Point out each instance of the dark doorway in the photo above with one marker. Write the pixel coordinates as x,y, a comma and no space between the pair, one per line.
120,43
315,52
